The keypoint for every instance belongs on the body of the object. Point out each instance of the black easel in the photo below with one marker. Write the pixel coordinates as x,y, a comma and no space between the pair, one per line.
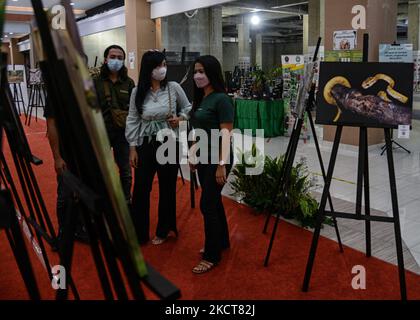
399,146
18,98
86,203
104,211
362,181
36,101
290,158
10,223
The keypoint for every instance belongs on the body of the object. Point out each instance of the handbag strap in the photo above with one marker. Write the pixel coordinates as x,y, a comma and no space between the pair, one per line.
170,101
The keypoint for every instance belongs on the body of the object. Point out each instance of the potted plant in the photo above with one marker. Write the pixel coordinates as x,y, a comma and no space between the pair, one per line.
262,192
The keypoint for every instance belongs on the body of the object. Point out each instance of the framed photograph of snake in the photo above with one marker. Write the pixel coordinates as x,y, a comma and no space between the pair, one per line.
377,95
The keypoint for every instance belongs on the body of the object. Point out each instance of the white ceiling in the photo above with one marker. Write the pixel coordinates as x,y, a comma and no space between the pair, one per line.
23,7
78,4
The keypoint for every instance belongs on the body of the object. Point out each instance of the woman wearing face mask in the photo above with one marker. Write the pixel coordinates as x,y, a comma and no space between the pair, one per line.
213,112
156,105
114,89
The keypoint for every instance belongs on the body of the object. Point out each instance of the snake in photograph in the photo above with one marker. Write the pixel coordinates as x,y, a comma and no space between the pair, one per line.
328,92
371,81
338,92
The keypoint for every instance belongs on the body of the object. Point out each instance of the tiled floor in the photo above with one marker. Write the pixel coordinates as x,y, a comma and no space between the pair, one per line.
407,168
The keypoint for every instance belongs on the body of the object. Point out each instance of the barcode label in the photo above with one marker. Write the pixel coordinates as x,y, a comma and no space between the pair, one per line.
403,132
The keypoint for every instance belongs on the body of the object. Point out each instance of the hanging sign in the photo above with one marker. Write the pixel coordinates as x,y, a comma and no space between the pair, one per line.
396,53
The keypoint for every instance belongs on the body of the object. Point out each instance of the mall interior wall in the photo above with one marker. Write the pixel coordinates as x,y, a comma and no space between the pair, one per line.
95,44
271,56
414,24
201,32
5,48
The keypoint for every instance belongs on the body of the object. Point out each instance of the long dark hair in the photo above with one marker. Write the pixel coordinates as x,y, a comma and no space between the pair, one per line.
105,72
150,61
214,73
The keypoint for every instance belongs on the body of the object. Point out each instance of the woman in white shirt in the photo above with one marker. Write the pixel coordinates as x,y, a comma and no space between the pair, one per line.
155,105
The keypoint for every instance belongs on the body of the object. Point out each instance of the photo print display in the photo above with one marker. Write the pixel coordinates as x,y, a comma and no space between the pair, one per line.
378,95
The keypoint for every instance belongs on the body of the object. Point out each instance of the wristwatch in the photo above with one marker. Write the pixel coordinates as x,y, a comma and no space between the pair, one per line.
222,163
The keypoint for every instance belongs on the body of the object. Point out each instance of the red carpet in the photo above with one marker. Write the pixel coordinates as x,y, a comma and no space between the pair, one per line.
240,275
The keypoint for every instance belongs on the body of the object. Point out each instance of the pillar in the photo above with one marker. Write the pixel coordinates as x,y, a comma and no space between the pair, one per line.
199,32
382,17
381,23
259,50
243,42
316,21
5,48
16,58
141,33
216,32
305,34
414,24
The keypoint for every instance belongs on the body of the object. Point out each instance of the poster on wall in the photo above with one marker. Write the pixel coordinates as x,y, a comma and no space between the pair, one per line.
377,95
345,40
396,53
132,60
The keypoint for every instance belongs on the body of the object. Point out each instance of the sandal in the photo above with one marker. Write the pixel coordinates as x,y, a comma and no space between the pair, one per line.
203,267
158,241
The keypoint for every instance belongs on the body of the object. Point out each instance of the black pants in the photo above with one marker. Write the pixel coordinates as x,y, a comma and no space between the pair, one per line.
144,176
215,224
121,150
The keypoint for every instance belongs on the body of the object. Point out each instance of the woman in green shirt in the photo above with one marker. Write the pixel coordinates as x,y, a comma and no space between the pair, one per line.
213,113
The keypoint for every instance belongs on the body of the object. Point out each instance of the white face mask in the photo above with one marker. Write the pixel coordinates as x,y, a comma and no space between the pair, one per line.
159,73
201,80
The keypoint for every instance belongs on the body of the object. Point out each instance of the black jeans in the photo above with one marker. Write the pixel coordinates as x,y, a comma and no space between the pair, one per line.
144,176
121,150
215,224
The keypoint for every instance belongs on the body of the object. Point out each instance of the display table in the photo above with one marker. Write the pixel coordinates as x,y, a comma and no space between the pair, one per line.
260,114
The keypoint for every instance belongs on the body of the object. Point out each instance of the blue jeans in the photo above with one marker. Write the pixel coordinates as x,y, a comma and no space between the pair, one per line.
121,150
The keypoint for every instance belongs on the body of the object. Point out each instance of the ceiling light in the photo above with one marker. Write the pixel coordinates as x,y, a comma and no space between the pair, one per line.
255,20
72,3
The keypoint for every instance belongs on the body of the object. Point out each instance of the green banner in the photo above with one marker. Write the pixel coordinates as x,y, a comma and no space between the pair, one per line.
344,56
